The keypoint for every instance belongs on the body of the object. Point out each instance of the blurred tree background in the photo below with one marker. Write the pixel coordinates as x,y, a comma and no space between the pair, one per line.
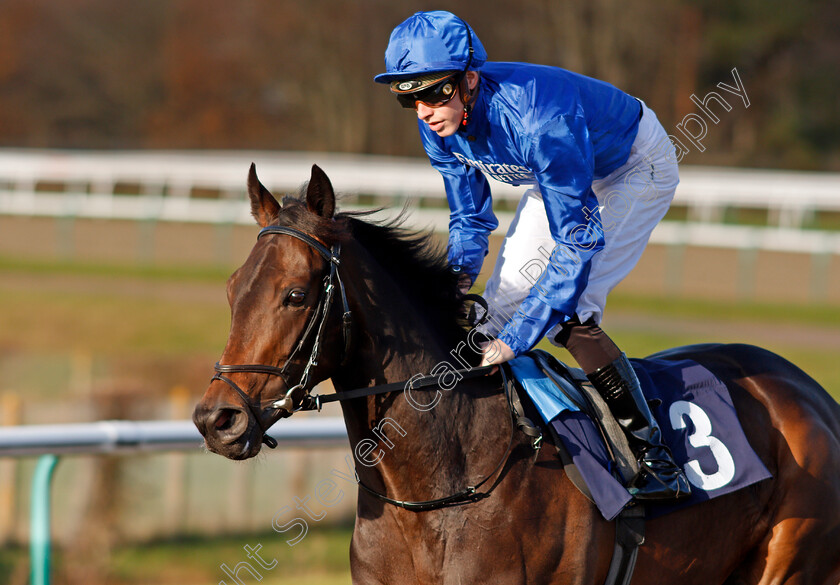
292,75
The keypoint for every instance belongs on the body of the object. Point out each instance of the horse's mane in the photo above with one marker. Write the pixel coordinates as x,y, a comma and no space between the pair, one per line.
415,260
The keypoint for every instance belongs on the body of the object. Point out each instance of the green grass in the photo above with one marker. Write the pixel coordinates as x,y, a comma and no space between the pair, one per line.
109,324
822,315
828,315
180,273
732,322
321,558
745,322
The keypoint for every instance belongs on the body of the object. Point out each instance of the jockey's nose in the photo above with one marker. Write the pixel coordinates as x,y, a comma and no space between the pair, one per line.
424,112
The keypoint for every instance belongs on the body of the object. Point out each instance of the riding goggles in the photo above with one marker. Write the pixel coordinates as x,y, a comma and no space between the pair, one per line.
432,90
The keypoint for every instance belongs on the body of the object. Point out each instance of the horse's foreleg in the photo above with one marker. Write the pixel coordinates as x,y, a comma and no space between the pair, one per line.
794,554
802,545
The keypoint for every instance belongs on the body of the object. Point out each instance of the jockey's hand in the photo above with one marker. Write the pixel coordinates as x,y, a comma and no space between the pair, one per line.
496,352
464,283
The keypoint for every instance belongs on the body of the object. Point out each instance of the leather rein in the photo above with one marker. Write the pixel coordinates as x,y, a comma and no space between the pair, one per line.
317,324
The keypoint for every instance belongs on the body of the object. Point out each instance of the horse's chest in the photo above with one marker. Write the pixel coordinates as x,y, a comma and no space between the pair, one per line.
454,550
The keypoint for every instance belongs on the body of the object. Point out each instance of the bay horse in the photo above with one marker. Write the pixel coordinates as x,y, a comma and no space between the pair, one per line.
395,315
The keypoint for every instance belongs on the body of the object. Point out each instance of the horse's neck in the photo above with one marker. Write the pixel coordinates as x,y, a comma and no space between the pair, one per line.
395,340
428,444
420,443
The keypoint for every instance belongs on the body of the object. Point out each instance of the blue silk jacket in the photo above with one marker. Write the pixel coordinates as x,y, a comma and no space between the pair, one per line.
533,124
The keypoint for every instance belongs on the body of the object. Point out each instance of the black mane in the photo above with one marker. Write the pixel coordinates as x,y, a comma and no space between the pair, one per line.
416,261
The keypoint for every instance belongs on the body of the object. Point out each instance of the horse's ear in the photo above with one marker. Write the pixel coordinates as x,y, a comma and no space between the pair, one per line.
320,197
264,206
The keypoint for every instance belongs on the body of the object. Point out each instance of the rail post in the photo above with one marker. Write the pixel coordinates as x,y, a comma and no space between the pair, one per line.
39,539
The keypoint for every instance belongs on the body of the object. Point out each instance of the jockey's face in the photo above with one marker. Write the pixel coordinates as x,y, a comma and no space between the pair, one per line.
445,120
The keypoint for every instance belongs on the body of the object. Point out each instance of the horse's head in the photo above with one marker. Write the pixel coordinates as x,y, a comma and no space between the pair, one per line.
284,321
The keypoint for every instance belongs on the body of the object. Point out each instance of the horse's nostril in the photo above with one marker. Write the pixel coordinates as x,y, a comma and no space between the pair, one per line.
225,420
227,424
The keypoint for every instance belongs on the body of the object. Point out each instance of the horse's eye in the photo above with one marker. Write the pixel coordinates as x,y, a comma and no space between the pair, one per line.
296,298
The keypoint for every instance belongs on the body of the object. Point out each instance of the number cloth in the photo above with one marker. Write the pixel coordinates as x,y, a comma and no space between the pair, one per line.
698,422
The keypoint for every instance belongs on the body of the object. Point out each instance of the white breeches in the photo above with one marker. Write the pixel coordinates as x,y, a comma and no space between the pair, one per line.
632,200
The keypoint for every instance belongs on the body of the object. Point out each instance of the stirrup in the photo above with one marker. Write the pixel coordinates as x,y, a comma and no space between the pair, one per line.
621,390
650,485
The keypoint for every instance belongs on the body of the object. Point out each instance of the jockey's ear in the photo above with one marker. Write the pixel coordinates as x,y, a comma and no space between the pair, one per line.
264,206
320,197
472,79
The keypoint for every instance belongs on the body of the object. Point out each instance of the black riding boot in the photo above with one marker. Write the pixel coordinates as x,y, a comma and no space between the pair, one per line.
659,477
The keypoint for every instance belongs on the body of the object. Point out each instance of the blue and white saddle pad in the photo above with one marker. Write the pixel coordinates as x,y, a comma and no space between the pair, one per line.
698,422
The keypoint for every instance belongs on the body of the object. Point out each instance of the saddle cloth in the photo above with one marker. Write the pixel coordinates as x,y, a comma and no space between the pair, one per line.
694,411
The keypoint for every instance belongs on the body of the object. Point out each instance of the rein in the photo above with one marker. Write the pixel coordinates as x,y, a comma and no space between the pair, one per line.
470,493
317,323
316,401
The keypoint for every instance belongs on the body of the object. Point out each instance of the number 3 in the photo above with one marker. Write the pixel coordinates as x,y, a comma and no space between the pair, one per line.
702,437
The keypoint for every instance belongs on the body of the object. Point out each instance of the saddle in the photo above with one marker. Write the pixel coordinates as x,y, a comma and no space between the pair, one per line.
697,418
577,393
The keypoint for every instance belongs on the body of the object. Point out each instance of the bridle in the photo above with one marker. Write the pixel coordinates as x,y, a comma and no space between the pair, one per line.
317,323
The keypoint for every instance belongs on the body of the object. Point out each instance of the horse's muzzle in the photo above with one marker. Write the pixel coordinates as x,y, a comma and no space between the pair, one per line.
228,431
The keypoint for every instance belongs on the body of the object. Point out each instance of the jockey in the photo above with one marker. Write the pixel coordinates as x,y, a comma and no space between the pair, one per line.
602,173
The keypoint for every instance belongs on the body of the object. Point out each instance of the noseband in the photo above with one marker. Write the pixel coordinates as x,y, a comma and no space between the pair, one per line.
317,323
